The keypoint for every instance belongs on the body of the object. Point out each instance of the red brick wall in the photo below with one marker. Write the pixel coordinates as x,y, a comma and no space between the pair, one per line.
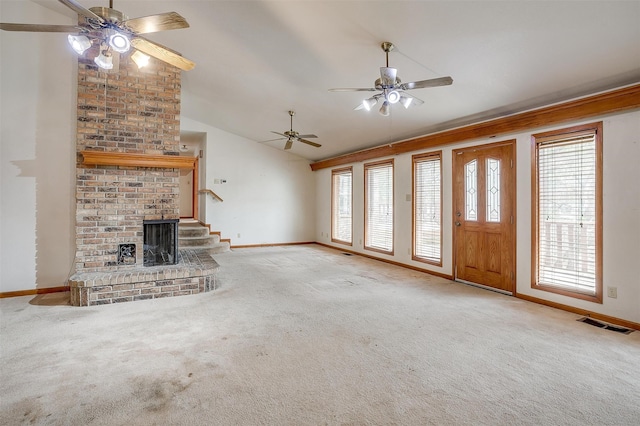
133,111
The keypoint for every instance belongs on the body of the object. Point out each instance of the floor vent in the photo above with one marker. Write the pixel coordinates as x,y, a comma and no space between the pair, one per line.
347,254
606,326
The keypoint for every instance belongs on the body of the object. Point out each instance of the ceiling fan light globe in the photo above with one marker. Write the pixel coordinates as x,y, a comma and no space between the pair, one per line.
385,109
79,43
105,62
140,59
119,43
369,103
406,101
393,96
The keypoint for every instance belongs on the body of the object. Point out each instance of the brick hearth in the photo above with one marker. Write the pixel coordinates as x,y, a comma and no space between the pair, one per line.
133,112
195,273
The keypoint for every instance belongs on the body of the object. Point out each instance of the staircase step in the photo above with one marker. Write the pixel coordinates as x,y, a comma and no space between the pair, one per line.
195,235
192,231
220,247
198,241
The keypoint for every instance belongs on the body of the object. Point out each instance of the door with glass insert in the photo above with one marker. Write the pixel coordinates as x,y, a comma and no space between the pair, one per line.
484,208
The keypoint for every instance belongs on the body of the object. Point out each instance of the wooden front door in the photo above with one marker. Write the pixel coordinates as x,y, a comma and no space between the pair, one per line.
484,215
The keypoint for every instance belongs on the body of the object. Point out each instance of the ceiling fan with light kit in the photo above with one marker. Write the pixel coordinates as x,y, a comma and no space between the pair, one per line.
391,88
293,136
115,34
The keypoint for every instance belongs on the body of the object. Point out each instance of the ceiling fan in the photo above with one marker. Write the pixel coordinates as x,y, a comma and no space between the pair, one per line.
291,136
115,34
392,89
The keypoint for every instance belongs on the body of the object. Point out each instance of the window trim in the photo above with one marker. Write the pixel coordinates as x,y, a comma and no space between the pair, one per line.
536,140
414,160
334,173
366,167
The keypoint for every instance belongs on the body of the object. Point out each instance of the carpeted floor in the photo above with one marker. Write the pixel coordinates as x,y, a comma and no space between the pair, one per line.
304,335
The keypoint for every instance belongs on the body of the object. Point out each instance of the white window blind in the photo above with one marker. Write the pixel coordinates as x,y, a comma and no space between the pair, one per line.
341,205
379,206
427,212
567,249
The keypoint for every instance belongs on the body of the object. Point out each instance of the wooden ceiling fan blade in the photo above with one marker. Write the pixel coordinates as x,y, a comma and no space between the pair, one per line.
155,23
40,28
353,89
81,10
307,136
288,144
434,82
163,53
271,140
317,145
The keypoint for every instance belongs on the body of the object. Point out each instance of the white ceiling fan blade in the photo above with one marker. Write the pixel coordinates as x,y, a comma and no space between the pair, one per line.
353,89
281,134
81,10
434,82
388,76
307,136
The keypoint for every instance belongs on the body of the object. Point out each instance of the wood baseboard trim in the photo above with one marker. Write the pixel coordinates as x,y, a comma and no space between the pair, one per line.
403,265
584,312
33,292
272,245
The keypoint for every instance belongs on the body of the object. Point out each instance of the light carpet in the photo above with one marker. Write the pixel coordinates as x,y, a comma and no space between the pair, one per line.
304,335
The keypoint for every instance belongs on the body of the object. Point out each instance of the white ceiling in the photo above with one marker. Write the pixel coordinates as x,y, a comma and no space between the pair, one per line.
255,60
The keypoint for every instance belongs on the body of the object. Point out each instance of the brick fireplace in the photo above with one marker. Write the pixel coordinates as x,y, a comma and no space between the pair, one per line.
127,173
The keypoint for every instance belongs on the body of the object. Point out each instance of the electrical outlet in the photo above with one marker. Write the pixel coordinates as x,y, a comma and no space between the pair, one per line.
612,292
238,235
409,251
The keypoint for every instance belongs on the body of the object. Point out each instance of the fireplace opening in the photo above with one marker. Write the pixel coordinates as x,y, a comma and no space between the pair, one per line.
160,239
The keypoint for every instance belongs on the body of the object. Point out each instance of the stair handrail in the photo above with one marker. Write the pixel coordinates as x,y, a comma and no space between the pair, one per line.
213,194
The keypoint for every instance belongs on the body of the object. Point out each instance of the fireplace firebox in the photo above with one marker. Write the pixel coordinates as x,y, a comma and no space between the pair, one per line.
160,239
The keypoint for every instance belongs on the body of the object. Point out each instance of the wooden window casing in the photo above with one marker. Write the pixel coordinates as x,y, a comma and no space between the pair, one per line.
342,206
379,203
427,208
567,212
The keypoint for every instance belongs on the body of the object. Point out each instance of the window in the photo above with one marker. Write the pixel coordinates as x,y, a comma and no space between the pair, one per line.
378,181
341,205
567,212
427,208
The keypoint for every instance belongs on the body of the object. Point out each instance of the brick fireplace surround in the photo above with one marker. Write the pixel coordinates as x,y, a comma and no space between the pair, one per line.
127,171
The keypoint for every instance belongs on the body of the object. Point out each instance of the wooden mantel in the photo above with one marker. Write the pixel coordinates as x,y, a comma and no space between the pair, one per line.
104,158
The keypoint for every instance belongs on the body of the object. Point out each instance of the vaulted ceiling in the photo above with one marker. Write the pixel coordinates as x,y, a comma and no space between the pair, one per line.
256,60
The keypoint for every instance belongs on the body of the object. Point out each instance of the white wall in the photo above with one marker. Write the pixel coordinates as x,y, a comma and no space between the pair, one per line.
621,188
37,152
269,194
